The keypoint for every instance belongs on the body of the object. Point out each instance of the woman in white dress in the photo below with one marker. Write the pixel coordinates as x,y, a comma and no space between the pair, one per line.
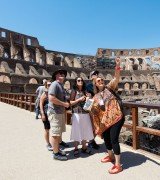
81,123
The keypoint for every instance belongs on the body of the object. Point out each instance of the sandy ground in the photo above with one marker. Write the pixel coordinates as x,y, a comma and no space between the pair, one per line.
23,154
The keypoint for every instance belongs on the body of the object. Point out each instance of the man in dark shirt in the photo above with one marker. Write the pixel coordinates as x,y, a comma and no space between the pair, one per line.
90,90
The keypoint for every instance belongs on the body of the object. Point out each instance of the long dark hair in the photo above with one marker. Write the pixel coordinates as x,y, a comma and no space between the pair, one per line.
75,87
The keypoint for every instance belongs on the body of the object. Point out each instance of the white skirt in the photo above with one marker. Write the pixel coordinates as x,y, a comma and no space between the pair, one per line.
81,127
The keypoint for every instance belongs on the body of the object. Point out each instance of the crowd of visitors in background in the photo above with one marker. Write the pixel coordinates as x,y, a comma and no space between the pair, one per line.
104,116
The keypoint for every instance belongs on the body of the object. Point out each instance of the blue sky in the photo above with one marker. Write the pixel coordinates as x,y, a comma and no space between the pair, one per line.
82,26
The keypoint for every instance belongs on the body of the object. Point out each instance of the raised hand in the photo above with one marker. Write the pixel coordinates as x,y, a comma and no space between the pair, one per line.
118,61
83,98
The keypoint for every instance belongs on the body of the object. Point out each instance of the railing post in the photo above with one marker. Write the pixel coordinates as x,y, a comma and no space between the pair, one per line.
26,99
135,124
31,103
22,101
30,106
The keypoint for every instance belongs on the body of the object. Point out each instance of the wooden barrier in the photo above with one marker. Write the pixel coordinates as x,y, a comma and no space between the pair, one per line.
27,101
134,127
24,101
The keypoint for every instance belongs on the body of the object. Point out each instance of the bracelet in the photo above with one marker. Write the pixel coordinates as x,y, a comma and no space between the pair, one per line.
118,68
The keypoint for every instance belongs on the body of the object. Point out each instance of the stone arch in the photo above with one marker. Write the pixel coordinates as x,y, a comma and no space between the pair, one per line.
1,51
4,67
83,76
5,79
128,64
61,59
68,61
57,60
127,86
20,54
40,56
135,77
73,75
150,79
33,71
126,78
132,59
33,81
140,61
77,62
68,75
16,52
157,82
144,86
135,86
5,50
143,78
19,69
50,58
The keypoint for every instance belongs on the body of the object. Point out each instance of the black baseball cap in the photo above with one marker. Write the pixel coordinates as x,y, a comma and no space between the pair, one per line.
94,73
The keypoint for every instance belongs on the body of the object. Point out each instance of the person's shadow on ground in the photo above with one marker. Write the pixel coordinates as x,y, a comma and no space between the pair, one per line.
70,151
130,159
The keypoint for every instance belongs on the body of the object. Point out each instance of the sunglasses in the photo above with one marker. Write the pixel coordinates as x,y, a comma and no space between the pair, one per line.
79,80
100,80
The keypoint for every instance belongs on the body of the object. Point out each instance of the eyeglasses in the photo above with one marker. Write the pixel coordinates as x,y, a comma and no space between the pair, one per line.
79,80
100,80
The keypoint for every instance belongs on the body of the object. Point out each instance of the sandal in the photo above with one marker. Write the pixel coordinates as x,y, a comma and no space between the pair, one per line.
86,151
115,169
107,159
76,153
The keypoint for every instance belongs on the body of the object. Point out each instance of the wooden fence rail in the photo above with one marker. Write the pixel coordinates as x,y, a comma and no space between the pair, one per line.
27,101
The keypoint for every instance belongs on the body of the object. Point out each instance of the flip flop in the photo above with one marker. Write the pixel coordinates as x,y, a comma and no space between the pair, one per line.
115,169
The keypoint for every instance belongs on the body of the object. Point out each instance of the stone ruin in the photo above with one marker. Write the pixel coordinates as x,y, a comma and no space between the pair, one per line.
24,61
132,59
150,119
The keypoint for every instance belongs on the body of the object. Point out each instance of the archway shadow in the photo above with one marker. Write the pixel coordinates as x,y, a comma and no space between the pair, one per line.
130,159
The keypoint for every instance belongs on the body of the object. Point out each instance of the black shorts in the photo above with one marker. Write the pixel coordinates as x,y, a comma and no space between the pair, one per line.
46,123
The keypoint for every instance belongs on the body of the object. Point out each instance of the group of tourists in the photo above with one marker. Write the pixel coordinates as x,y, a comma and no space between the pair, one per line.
102,115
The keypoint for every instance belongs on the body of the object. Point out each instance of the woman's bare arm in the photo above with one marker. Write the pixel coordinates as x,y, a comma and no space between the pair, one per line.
114,82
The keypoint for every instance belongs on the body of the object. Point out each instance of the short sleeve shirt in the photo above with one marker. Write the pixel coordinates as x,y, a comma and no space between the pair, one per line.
40,91
56,89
